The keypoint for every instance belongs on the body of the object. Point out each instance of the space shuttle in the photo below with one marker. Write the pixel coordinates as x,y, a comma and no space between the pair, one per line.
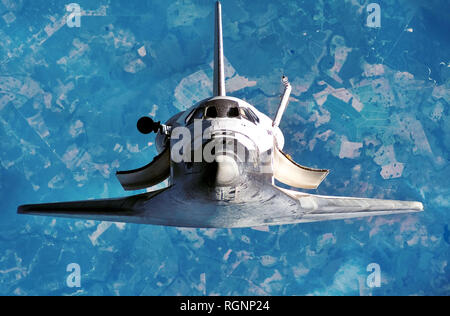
221,165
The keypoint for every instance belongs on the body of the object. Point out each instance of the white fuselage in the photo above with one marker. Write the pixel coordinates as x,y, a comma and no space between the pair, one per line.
249,157
263,133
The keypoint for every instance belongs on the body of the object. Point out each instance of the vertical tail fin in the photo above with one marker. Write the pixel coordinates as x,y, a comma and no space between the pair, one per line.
219,72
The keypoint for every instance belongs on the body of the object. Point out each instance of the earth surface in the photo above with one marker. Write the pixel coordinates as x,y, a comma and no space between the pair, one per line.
369,103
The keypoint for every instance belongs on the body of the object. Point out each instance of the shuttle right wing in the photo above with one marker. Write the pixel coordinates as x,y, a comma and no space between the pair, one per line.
320,208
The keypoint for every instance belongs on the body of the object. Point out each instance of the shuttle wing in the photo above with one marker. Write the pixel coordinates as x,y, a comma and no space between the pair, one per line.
273,206
321,208
129,209
171,207
291,173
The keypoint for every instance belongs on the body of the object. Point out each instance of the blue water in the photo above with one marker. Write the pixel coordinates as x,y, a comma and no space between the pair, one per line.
371,104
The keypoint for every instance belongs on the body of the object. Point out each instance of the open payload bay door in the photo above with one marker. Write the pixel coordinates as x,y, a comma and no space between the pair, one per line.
153,173
291,173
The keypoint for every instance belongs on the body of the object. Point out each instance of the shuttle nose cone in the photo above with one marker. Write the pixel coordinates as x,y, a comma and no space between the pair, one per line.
225,171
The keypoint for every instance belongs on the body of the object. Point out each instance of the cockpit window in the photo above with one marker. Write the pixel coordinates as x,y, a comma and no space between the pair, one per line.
211,112
243,114
233,112
249,115
196,115
255,117
221,108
